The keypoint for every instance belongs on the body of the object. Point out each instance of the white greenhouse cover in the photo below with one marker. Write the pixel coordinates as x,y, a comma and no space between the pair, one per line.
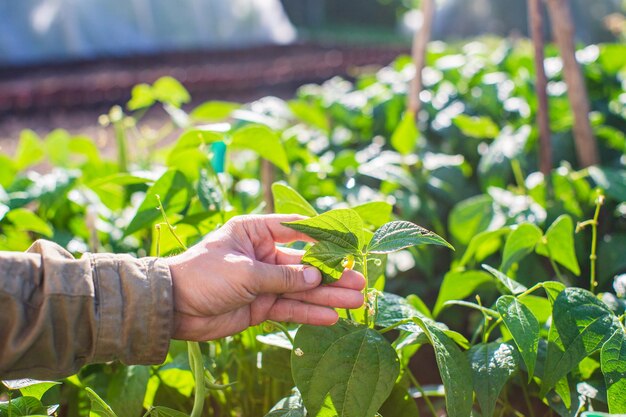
42,30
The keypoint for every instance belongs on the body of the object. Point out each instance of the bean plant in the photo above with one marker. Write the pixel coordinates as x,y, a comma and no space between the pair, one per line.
524,317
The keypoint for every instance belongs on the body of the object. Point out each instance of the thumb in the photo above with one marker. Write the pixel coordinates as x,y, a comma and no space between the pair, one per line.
278,279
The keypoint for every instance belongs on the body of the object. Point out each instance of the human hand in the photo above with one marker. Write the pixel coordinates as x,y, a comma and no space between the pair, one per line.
237,277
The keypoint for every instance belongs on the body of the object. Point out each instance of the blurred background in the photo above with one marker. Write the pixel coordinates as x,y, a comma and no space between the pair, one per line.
63,62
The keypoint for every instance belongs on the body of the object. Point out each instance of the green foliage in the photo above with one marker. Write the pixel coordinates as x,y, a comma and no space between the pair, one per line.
364,172
346,369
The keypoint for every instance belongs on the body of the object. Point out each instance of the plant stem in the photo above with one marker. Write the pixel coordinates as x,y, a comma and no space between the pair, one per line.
395,325
491,328
169,225
366,292
197,368
555,266
594,242
518,174
421,390
283,329
530,290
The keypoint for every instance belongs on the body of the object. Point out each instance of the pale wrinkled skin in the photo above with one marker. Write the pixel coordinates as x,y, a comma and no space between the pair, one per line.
237,277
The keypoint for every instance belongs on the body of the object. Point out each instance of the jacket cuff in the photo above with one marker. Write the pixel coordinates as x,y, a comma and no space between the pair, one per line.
134,309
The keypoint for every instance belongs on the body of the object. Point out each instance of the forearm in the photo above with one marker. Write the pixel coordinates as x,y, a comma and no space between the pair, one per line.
60,313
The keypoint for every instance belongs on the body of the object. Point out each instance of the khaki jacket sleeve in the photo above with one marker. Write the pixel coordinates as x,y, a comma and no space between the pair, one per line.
59,313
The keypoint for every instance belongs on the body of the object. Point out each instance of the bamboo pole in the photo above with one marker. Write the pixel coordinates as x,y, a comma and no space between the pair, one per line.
418,51
563,32
535,23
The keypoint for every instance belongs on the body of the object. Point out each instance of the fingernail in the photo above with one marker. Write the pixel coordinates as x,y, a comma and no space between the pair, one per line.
311,275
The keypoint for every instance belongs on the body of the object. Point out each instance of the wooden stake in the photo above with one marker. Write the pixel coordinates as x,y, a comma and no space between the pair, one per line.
420,42
563,32
535,23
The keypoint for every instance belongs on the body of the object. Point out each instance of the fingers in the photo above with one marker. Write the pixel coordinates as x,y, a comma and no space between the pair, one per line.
280,279
299,312
288,256
272,223
350,279
330,297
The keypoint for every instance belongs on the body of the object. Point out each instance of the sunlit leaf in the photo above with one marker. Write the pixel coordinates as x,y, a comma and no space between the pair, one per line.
343,227
265,142
476,127
492,365
613,363
584,323
98,407
519,243
397,235
173,190
454,369
524,328
559,244
404,138
289,201
346,369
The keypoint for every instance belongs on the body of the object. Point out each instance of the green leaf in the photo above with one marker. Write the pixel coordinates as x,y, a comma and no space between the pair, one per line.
487,311
393,309
194,139
458,285
264,142
613,363
30,387
611,180
213,111
584,323
127,390
559,243
98,407
172,188
523,326
140,97
483,244
289,201
470,217
492,365
169,90
374,213
22,406
400,403
520,243
310,114
289,406
8,170
26,220
328,258
30,150
343,227
166,412
346,369
476,127
397,235
553,289
454,369
419,305
208,191
404,137
513,286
